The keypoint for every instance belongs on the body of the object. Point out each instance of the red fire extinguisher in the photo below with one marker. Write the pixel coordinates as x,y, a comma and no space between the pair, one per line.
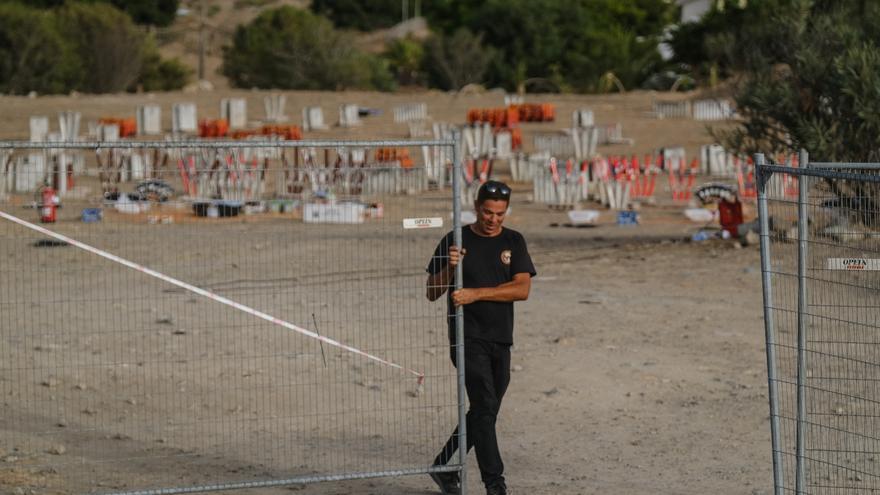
49,205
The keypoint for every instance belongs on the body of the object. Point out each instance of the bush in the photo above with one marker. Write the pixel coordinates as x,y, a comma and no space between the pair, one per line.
570,43
109,47
33,55
288,48
89,47
155,12
455,61
161,75
406,57
365,15
809,75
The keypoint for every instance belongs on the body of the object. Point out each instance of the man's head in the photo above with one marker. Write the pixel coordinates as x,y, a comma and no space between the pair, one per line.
491,205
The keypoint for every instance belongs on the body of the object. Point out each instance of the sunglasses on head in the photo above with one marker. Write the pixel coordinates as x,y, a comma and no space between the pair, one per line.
494,190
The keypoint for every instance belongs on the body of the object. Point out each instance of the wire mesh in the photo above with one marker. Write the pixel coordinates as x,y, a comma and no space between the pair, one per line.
298,357
821,250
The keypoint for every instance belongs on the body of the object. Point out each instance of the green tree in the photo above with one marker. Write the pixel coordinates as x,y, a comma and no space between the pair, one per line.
85,46
454,61
807,75
364,15
158,74
405,60
290,48
109,47
155,12
33,55
570,43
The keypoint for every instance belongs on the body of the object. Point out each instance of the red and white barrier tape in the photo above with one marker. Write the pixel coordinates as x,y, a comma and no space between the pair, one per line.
208,294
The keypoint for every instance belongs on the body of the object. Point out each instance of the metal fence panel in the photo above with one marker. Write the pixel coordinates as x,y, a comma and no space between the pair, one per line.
820,252
183,343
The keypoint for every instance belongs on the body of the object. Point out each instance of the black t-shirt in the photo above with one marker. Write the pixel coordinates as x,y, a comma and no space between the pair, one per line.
489,262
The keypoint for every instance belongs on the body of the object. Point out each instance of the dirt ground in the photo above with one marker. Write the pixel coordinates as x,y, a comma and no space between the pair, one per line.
632,110
639,362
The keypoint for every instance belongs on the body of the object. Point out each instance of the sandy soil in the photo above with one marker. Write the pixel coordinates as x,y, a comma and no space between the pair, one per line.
631,110
638,366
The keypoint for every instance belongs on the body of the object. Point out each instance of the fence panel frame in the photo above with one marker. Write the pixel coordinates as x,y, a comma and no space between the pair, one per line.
452,145
806,171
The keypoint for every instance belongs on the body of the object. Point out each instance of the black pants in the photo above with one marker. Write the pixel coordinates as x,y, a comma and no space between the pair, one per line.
486,376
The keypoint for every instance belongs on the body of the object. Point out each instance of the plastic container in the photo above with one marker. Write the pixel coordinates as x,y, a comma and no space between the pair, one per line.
228,208
627,218
92,215
348,213
699,215
200,208
583,217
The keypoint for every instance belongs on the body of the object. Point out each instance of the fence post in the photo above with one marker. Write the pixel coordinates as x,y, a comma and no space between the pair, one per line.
769,329
459,312
802,325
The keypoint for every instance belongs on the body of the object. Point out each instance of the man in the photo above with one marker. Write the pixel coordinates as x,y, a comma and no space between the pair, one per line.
498,272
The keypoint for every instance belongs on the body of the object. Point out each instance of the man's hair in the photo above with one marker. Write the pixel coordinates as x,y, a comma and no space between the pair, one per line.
493,189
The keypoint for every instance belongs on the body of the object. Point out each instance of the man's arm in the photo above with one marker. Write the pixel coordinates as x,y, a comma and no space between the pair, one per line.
515,290
437,283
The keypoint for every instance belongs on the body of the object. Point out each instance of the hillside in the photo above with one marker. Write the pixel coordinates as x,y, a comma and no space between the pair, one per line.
221,17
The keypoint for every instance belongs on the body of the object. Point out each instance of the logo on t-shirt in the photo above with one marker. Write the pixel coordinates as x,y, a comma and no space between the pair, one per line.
505,256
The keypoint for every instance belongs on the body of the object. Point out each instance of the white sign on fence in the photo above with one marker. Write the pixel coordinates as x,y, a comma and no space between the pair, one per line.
854,264
422,223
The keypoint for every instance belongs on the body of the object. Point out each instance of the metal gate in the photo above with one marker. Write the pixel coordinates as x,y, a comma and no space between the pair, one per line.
214,315
820,259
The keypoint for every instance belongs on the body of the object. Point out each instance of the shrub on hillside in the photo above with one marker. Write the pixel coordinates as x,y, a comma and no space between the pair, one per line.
109,47
88,47
457,60
154,12
406,58
364,15
288,48
33,55
158,74
567,45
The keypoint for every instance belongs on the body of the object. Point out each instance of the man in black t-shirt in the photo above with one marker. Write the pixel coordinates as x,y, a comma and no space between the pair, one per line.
497,273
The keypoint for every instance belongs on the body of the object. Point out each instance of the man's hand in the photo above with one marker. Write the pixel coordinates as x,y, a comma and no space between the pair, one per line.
455,255
462,297
440,281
